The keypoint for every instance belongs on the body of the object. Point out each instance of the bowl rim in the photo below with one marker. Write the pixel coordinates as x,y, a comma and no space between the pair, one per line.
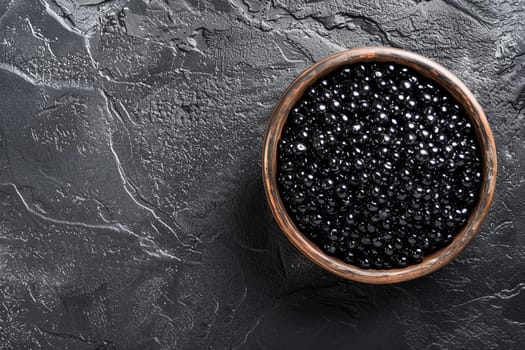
429,69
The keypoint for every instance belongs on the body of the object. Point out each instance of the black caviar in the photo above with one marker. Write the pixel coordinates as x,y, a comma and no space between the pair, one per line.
378,165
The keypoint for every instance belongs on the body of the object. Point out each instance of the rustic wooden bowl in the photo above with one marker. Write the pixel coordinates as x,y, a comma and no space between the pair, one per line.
430,70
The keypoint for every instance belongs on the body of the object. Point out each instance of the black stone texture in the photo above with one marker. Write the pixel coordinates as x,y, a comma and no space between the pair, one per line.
132,210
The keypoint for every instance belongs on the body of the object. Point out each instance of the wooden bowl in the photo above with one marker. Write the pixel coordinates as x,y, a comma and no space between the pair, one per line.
428,69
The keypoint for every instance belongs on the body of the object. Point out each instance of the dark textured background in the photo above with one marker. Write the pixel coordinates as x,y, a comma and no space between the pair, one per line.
132,210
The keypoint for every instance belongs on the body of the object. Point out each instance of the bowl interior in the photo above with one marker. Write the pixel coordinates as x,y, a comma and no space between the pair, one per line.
428,69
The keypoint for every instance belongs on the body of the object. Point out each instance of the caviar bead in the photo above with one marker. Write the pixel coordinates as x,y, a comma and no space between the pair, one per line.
341,191
327,184
364,263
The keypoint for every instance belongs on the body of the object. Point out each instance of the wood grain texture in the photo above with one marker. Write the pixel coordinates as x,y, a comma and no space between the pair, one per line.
430,70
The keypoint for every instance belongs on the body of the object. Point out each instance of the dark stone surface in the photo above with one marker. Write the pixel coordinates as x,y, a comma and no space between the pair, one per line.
132,211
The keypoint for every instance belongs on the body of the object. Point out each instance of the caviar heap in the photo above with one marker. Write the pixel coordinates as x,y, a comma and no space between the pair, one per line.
378,165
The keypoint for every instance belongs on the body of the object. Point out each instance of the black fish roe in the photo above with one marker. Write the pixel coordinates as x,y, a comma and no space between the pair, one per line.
378,165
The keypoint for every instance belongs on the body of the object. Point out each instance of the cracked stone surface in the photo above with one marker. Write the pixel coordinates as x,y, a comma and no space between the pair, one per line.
132,210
